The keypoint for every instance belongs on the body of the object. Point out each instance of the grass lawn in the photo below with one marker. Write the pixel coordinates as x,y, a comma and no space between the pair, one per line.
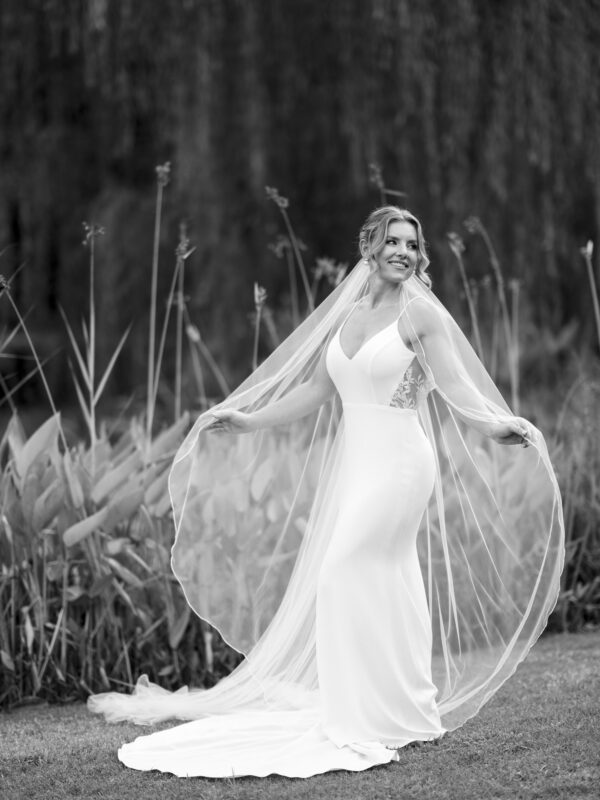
537,738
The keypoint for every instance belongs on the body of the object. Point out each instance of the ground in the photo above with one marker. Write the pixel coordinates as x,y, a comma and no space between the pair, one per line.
537,738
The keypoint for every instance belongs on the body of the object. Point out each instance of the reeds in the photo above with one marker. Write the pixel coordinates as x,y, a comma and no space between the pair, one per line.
260,298
162,179
575,450
89,395
458,248
198,349
282,204
573,433
587,253
282,248
509,323
508,318
5,290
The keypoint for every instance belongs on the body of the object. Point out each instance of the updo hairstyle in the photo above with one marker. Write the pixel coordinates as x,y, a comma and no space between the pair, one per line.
375,230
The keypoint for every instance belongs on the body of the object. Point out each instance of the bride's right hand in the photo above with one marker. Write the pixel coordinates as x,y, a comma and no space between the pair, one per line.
228,420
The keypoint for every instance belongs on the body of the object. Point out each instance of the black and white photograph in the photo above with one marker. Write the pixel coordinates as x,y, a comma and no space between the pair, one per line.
299,399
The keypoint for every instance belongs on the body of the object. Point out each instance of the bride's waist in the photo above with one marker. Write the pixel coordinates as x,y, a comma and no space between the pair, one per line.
378,409
376,433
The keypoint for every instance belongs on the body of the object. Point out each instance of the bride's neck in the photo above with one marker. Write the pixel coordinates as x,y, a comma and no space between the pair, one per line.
382,293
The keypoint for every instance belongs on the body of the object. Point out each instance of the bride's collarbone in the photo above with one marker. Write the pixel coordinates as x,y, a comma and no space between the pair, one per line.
363,324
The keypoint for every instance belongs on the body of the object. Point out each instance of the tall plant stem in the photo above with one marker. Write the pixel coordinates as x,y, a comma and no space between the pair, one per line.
64,617
514,289
162,173
470,303
152,328
4,287
293,288
183,242
256,337
92,355
165,325
179,346
494,344
392,192
512,356
260,297
8,396
586,252
198,374
299,259
182,252
195,341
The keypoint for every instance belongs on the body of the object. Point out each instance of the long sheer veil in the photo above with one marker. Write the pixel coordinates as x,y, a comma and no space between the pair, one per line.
254,513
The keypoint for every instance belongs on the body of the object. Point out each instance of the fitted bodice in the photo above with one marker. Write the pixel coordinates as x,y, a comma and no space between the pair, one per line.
384,371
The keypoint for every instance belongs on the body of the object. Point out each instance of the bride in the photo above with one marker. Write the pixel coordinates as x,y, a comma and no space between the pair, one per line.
380,563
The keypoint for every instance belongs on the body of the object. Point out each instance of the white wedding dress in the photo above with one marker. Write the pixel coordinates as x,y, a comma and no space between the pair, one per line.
382,566
373,629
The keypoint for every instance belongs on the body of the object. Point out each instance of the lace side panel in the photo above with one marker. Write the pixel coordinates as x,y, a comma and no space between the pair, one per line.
413,387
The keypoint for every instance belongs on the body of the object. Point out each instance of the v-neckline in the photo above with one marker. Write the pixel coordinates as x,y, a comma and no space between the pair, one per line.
366,342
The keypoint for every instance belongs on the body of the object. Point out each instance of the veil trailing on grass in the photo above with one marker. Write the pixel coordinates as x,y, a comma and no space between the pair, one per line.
254,514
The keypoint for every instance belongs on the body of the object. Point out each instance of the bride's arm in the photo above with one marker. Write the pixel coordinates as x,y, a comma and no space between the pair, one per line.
453,382
299,402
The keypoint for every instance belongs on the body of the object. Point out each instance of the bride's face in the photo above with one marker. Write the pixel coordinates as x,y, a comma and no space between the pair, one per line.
398,258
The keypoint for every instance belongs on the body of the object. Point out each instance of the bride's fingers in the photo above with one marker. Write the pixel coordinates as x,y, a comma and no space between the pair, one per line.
528,436
518,435
217,428
514,434
219,424
522,429
527,428
525,436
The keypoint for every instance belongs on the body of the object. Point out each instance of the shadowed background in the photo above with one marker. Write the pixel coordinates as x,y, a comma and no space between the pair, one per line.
468,108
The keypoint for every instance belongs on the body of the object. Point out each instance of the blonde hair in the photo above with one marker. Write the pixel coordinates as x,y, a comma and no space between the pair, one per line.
375,230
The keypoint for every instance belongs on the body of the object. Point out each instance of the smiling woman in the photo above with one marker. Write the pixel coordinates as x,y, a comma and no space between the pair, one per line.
403,564
399,256
393,237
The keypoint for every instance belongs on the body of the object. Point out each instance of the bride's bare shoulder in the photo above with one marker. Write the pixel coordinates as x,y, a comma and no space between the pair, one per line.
423,315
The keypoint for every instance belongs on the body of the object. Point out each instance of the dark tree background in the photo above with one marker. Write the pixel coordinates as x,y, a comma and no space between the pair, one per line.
470,107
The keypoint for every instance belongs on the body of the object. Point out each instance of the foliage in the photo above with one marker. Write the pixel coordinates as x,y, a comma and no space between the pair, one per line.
572,434
575,450
86,593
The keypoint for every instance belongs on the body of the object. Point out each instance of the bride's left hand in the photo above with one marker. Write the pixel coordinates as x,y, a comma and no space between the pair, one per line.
516,431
